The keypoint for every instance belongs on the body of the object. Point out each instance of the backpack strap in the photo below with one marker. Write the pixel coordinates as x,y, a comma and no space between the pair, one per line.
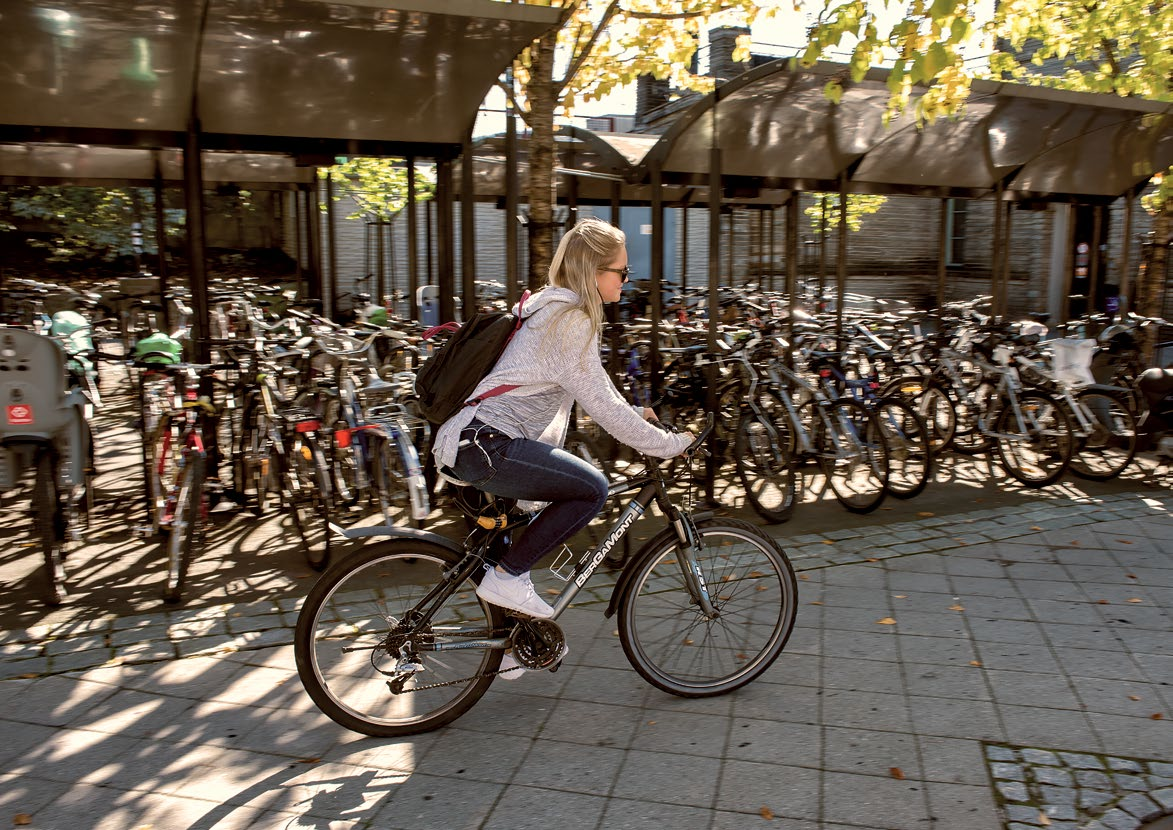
506,387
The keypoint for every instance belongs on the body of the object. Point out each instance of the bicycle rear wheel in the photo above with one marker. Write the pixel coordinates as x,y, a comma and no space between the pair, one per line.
670,642
185,521
1036,448
363,661
852,453
765,462
49,520
308,490
1111,445
910,461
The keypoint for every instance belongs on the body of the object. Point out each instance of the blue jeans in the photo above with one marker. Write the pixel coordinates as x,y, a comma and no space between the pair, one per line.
518,468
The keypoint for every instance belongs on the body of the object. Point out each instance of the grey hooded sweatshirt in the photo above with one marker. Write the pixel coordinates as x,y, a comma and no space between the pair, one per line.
554,361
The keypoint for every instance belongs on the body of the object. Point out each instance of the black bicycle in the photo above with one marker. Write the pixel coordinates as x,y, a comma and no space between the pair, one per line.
393,640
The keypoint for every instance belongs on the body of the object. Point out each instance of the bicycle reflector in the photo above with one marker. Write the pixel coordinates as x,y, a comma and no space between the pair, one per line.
308,426
342,438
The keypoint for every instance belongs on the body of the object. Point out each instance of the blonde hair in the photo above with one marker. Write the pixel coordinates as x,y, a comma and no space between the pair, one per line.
591,243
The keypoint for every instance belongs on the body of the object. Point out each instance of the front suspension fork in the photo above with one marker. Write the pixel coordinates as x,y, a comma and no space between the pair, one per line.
688,544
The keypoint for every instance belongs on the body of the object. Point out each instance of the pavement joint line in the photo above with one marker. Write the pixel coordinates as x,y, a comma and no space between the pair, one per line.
224,627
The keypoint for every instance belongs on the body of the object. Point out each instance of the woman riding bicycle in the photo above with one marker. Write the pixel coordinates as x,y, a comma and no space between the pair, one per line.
510,445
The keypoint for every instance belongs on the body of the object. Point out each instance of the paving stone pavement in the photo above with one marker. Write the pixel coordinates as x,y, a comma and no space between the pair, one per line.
997,668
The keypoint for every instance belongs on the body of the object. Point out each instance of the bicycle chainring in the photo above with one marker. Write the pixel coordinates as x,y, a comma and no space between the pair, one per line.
537,644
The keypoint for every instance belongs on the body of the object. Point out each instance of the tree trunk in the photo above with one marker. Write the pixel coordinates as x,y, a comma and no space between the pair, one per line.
1150,288
542,98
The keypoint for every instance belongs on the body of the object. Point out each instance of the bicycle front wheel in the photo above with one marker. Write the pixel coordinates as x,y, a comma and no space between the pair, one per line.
671,643
371,665
184,525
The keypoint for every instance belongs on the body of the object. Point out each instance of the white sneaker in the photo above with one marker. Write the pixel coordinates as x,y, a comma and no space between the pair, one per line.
513,670
515,593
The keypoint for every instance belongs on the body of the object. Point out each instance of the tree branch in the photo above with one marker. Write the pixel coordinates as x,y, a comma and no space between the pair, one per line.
675,15
578,60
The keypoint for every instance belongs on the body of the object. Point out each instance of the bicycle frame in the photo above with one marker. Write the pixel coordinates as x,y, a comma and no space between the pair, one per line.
650,487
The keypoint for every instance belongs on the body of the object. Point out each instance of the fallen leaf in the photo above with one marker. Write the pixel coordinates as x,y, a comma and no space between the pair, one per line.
977,663
651,723
21,819
1101,602
815,602
1043,820
28,675
1124,541
956,607
886,621
1136,599
553,591
901,596
756,574
1157,716
870,559
897,773
308,760
615,633
741,656
828,542
763,588
804,577
688,642
1074,542
1131,576
1134,697
925,514
1035,527
766,813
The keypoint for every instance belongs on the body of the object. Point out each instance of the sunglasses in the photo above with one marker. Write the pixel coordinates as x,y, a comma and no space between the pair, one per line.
624,272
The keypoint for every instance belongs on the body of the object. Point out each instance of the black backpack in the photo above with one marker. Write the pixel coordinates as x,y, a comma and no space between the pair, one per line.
445,383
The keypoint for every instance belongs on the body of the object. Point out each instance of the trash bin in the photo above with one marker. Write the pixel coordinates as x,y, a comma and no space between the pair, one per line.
428,299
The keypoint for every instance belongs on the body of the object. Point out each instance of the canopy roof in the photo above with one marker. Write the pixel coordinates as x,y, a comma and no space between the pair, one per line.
775,126
375,77
72,164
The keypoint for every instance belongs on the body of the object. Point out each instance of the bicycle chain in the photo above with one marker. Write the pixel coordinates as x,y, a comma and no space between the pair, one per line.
456,682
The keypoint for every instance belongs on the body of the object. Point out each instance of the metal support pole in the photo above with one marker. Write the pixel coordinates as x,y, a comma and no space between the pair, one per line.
1093,287
996,256
773,250
657,275
841,266
1005,269
161,240
380,260
1069,263
468,242
193,190
684,250
445,241
512,270
313,235
331,298
942,253
792,207
413,254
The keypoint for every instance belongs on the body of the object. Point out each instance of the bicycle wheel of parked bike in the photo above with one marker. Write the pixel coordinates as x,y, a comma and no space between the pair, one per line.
1111,445
370,666
910,460
185,521
969,437
932,403
667,638
765,462
1036,448
307,490
852,452
49,522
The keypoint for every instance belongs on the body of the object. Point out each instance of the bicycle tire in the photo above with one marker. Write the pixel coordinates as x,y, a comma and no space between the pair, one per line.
161,472
910,458
968,435
852,454
931,402
1039,452
185,521
307,487
666,638
356,604
1111,446
400,494
49,522
765,464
